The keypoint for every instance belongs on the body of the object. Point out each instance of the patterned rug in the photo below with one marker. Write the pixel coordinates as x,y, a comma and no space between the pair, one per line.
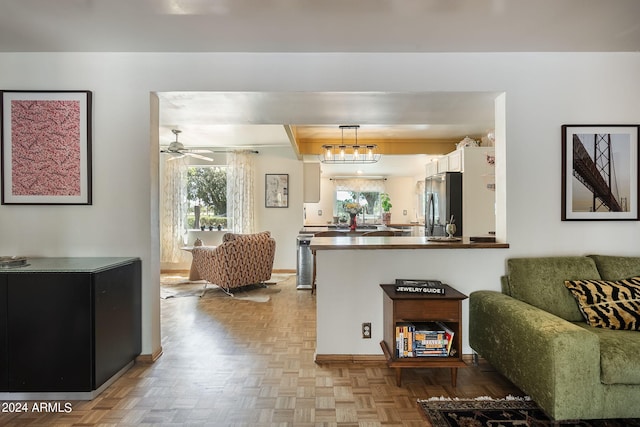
512,411
177,286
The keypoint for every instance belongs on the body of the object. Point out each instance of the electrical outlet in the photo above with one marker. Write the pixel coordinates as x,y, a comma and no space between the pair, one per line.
366,330
404,212
319,212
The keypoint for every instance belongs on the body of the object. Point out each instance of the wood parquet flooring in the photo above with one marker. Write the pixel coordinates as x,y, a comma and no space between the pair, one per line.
227,362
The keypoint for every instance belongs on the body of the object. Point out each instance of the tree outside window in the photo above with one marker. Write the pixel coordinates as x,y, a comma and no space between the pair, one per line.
207,196
369,200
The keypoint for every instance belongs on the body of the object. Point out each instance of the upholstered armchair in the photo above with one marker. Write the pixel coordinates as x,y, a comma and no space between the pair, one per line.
240,260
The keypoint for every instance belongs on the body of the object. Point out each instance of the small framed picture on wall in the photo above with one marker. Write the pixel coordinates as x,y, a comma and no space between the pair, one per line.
276,190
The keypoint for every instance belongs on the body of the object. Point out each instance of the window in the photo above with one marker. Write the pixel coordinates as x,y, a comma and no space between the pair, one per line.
207,197
368,200
366,192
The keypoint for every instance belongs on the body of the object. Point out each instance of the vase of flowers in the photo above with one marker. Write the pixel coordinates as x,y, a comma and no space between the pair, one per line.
353,209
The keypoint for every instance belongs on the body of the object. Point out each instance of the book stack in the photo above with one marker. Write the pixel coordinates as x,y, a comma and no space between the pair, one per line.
424,339
420,286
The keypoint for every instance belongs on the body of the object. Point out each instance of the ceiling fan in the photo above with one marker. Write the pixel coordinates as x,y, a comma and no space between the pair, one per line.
178,150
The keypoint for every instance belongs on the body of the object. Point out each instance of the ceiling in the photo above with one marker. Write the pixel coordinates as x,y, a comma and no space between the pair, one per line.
241,120
319,26
254,119
305,120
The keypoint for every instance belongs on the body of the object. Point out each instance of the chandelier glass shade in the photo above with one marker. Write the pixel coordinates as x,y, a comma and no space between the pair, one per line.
349,153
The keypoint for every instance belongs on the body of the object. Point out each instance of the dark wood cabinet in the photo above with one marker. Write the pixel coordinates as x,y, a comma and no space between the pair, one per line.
4,354
69,324
400,307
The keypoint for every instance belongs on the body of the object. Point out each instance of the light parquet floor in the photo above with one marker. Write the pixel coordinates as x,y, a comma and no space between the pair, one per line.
240,363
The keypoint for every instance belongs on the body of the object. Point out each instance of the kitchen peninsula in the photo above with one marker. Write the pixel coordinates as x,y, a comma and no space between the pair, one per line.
399,229
349,271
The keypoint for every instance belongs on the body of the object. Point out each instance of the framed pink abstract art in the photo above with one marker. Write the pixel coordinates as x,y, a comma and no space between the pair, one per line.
46,147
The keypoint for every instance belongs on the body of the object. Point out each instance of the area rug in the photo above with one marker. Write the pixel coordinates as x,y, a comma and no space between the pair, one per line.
179,287
511,411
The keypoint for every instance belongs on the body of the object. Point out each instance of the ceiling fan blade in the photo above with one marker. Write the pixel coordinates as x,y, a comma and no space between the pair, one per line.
173,155
198,156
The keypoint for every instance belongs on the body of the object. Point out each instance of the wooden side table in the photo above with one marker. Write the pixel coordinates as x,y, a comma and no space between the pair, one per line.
410,307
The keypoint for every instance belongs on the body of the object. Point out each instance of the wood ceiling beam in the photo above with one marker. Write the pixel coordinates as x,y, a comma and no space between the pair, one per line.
385,146
291,133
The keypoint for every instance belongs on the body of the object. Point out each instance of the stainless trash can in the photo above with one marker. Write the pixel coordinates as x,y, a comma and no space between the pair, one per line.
304,270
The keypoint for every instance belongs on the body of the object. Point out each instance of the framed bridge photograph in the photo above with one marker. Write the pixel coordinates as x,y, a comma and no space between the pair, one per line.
600,172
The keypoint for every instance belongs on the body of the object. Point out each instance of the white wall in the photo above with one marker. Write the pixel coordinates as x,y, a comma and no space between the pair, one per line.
543,91
283,223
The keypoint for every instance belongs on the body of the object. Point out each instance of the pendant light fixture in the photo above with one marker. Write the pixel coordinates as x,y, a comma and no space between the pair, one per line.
349,153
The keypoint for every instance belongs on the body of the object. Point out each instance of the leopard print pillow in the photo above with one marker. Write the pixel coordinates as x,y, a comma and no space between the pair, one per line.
608,304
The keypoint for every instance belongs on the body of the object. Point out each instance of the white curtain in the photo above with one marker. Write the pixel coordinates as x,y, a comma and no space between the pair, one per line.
173,211
240,192
359,184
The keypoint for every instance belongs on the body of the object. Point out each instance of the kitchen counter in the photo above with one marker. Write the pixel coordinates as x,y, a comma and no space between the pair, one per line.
359,231
366,224
350,269
396,242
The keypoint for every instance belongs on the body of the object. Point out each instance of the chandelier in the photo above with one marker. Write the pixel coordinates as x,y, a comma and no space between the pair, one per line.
349,153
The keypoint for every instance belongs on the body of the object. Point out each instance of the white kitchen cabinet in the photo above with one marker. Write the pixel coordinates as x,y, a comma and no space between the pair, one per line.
431,168
455,161
311,182
478,201
478,188
443,164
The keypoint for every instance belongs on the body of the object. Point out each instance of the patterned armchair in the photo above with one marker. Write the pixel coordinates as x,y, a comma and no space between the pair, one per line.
241,259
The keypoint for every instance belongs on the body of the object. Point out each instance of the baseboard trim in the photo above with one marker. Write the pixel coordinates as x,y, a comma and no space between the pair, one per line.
149,358
65,395
174,271
283,271
349,358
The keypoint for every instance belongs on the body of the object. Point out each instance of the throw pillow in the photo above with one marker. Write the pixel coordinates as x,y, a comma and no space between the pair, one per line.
608,304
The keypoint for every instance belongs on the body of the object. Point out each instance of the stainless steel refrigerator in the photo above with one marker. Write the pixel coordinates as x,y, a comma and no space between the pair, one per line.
443,196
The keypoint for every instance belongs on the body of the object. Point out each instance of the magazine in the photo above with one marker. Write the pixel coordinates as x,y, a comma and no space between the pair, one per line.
420,286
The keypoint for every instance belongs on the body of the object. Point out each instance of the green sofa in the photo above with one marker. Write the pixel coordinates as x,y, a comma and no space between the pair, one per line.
534,333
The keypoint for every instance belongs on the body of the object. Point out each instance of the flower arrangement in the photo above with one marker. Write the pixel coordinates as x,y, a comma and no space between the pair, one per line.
352,207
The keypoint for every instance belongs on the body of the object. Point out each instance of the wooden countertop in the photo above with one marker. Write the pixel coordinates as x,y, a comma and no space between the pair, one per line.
345,225
397,242
347,231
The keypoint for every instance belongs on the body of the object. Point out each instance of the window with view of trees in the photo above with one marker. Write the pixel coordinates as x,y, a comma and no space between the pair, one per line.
207,197
368,200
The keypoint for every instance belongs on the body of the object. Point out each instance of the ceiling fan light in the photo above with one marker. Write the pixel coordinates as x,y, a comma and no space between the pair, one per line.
178,150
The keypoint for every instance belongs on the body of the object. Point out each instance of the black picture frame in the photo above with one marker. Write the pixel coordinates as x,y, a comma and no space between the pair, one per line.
45,147
600,172
276,190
